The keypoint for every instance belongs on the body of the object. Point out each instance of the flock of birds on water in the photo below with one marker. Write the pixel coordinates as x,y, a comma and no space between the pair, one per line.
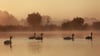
9,42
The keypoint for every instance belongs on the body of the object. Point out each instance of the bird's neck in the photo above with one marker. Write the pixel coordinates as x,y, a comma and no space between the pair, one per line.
41,35
10,39
72,36
91,35
34,35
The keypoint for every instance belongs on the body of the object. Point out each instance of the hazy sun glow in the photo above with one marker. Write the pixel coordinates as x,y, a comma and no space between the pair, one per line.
54,8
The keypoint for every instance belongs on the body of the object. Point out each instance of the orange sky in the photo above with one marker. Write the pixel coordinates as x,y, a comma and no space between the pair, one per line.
55,8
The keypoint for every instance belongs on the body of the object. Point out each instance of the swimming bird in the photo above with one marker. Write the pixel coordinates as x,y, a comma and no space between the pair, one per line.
69,38
8,42
89,37
40,37
33,37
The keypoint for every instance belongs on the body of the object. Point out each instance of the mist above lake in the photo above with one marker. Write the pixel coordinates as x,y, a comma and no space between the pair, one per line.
53,44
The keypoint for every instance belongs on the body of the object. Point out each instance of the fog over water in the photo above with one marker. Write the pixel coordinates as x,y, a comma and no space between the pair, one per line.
53,44
77,20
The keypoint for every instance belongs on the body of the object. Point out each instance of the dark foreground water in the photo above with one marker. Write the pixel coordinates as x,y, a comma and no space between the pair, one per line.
52,45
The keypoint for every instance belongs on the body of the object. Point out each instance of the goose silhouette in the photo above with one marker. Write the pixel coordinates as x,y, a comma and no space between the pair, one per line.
33,37
69,38
89,37
40,37
8,42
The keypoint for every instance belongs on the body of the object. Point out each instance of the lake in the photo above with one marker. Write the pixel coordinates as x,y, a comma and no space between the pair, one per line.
53,44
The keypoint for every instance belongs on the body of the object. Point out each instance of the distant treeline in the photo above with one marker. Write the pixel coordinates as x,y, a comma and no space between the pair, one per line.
78,23
34,22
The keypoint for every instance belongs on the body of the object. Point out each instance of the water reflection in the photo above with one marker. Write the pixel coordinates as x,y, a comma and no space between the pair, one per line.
52,45
35,47
9,46
90,43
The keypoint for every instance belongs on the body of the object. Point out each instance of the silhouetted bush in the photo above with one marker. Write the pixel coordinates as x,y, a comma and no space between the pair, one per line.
77,23
34,19
96,25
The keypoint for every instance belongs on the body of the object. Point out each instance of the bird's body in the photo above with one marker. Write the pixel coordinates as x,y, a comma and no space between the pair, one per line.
8,42
33,37
69,38
40,37
89,37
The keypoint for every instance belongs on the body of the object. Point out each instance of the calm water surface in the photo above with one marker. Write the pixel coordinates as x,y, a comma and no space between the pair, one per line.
52,45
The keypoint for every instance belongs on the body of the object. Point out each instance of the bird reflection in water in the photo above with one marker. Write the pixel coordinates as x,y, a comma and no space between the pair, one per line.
35,47
8,42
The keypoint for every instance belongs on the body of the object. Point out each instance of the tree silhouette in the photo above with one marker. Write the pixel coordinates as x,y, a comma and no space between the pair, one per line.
96,25
86,26
76,23
34,19
66,25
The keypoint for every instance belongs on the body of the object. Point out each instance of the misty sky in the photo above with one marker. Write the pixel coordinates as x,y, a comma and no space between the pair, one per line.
54,8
